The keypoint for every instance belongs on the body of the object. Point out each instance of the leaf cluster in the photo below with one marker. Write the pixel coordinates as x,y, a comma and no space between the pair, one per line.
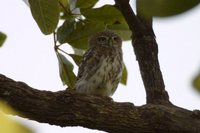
81,19
9,125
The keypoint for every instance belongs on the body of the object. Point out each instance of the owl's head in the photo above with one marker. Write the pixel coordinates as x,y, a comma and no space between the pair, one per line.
106,39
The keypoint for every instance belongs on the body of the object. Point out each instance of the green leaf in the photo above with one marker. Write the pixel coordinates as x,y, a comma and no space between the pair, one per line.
163,8
196,82
65,30
46,14
10,125
64,3
124,76
78,38
79,52
108,14
65,12
122,30
66,71
2,38
80,43
76,58
83,4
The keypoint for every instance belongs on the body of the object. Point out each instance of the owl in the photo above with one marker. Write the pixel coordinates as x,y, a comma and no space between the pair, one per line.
101,67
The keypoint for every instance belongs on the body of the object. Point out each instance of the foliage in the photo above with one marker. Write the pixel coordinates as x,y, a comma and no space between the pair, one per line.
124,76
196,82
84,5
8,125
2,38
82,19
163,8
66,70
46,14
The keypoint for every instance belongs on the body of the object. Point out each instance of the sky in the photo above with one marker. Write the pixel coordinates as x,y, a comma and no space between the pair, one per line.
28,56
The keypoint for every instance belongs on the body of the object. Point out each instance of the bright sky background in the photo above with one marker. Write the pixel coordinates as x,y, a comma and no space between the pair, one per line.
28,56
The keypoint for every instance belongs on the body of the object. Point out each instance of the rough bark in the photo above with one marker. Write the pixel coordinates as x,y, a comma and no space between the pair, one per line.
69,109
146,51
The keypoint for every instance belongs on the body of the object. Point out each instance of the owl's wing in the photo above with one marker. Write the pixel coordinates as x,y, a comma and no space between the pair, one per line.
90,63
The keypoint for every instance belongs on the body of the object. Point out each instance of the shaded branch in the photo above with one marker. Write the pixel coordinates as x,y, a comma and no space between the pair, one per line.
69,109
146,21
146,51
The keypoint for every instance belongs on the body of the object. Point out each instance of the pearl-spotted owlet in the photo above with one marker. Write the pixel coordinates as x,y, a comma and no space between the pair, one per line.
101,68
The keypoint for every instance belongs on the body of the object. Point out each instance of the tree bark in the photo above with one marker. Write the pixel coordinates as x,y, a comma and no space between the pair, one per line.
66,108
146,51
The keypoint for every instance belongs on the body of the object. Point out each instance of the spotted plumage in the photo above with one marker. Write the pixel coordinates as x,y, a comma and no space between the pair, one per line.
101,68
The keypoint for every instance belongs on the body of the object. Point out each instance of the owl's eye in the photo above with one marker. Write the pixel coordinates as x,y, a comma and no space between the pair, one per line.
102,39
115,38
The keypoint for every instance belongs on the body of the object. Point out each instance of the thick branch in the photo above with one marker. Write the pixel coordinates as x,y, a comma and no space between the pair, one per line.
70,109
146,51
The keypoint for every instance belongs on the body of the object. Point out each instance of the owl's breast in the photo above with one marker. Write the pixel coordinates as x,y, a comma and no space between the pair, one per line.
105,80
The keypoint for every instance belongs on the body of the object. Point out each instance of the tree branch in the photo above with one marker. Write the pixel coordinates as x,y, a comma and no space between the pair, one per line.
146,51
69,109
